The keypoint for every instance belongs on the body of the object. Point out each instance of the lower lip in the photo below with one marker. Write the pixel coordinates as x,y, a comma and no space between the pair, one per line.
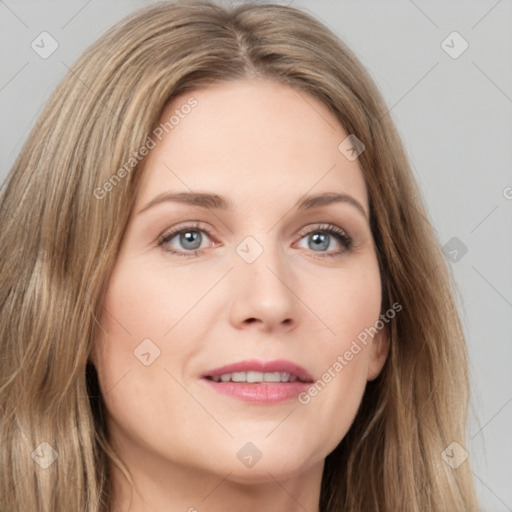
261,393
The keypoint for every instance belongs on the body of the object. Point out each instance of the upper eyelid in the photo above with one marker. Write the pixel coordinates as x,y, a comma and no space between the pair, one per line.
196,225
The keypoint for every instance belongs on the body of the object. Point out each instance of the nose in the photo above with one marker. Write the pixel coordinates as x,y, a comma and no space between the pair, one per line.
263,294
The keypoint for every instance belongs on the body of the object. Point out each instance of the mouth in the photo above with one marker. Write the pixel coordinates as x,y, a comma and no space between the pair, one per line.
258,381
253,377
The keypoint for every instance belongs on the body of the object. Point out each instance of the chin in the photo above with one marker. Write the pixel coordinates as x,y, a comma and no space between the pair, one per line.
266,472
252,465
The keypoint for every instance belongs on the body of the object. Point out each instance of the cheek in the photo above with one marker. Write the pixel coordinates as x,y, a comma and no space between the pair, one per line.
350,304
134,315
142,317
130,355
146,301
351,307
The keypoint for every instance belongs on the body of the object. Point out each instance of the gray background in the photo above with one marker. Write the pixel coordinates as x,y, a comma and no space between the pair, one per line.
454,115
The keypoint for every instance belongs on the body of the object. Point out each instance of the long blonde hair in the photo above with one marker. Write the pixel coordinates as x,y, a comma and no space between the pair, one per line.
59,241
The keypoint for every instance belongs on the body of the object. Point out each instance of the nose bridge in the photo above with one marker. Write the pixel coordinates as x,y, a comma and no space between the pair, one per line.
263,287
262,256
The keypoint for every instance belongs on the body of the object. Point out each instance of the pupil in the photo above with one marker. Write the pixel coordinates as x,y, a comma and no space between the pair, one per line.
191,237
322,238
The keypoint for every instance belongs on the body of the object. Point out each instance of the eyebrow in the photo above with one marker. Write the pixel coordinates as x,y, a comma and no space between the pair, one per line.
218,202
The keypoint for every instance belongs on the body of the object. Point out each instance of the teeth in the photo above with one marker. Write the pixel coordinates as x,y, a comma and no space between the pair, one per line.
251,377
239,377
254,376
272,377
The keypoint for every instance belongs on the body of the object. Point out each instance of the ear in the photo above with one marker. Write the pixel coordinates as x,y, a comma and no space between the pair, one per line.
379,350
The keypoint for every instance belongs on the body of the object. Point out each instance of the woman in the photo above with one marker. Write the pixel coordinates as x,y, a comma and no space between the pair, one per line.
170,339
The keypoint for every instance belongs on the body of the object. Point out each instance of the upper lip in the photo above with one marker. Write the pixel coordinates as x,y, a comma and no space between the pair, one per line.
277,365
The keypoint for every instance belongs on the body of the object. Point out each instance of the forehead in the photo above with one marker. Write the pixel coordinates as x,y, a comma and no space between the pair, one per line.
252,141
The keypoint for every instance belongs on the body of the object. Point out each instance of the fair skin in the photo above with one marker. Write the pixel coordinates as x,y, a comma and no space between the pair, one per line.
263,147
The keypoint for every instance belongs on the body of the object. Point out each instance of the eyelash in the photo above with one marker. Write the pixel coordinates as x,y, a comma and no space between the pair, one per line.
329,229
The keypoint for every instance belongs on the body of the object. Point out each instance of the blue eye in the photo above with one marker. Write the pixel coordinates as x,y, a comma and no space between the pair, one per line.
322,237
191,237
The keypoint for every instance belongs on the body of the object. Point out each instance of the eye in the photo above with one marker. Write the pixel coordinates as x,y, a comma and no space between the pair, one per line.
322,238
189,237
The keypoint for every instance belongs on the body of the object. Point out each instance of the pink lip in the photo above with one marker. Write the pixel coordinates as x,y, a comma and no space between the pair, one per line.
265,392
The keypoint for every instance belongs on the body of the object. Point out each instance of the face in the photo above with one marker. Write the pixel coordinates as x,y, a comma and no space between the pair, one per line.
253,274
